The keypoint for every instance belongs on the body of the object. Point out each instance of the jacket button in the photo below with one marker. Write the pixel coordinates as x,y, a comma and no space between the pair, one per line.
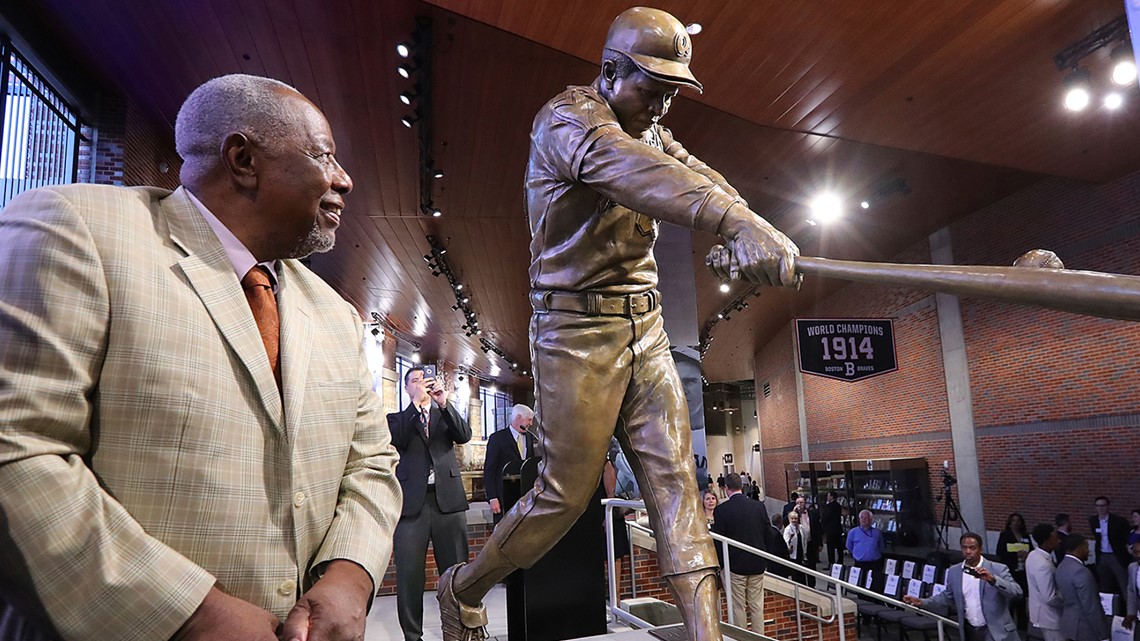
287,588
298,499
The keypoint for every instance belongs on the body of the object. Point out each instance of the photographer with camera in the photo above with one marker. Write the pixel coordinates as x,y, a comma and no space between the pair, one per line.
435,503
981,591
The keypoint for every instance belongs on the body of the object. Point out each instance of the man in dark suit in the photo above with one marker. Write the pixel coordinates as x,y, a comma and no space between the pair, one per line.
790,505
981,591
747,522
1082,618
1110,532
435,503
511,445
831,522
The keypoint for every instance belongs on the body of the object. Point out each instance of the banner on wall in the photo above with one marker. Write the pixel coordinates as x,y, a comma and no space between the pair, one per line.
846,349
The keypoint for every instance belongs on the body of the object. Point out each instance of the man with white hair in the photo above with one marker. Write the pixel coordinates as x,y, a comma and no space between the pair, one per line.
866,545
190,446
513,444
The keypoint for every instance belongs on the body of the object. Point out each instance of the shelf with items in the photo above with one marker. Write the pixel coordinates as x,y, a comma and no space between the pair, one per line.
896,491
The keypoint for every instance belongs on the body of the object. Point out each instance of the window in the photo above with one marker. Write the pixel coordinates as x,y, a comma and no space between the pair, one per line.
496,409
39,141
402,367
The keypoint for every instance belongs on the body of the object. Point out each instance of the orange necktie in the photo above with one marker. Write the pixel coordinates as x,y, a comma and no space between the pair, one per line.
263,304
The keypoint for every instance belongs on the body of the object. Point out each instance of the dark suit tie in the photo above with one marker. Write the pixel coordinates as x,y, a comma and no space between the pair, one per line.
263,304
424,417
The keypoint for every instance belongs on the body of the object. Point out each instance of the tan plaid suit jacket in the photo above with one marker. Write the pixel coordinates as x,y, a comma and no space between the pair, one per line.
145,451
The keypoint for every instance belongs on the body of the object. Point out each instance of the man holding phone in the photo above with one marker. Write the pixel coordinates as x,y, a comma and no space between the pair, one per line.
435,503
981,591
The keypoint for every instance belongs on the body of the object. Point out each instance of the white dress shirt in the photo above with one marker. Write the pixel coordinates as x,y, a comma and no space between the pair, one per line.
972,595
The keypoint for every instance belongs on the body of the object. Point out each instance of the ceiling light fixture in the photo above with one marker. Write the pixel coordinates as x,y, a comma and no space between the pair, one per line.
826,208
1113,100
1077,90
1123,65
693,28
724,288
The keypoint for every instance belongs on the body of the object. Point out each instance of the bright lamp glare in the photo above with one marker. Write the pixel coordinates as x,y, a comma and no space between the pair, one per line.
415,357
1124,72
693,28
826,208
865,205
1113,101
1076,99
403,50
724,287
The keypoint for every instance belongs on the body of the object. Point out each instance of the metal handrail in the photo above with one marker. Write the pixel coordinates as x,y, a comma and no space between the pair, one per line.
836,598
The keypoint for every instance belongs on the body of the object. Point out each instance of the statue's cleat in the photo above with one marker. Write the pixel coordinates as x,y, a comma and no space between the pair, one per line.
460,622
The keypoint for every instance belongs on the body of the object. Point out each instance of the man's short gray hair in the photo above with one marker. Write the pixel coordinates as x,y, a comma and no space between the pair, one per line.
521,410
237,103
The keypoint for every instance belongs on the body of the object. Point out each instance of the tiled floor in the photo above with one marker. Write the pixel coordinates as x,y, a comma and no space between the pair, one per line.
383,624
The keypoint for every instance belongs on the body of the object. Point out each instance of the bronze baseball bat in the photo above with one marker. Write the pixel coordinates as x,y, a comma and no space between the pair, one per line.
1081,292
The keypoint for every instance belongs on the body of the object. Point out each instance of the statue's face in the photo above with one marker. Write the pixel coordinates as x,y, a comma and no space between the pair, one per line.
639,100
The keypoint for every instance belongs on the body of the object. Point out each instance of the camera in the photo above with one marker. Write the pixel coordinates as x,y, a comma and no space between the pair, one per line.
948,480
971,570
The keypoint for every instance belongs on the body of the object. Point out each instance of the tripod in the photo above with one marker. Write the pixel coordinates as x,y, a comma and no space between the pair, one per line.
950,512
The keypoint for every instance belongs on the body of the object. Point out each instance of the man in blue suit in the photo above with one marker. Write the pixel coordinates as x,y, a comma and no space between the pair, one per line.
981,591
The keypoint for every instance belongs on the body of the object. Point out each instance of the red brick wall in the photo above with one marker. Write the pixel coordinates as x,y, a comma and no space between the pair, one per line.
1055,400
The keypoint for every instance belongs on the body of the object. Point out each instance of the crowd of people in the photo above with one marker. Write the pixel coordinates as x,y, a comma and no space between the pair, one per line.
1040,576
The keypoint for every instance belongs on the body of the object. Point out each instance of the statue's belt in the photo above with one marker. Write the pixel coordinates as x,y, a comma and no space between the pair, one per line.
594,303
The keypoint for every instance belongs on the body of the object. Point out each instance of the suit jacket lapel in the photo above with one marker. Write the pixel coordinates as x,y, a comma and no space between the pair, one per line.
211,274
296,342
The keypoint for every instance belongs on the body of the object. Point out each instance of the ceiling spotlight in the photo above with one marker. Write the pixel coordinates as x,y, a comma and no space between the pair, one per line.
408,97
415,357
810,222
1077,90
403,50
1123,65
724,287
437,173
408,121
865,205
466,300
693,28
427,257
721,315
1113,100
826,208
406,70
459,286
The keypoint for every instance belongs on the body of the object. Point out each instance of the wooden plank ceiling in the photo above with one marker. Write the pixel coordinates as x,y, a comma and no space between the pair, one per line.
959,99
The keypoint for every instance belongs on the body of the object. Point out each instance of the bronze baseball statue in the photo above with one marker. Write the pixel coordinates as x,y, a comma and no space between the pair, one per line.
602,172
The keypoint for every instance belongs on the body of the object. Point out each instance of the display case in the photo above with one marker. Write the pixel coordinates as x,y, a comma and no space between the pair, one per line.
896,491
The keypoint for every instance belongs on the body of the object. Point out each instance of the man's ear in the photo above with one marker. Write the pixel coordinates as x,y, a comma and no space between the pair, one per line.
609,73
238,156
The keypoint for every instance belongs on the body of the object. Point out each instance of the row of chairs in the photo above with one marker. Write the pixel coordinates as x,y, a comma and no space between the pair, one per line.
897,580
